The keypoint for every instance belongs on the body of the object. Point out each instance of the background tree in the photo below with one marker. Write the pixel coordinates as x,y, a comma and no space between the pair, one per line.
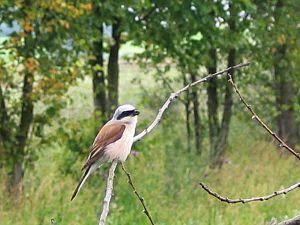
276,44
110,25
206,43
97,63
38,47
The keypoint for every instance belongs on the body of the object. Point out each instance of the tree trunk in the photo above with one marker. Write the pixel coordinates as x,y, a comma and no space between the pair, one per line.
187,104
113,68
25,122
17,184
212,102
98,75
227,112
26,117
286,119
228,102
197,118
3,119
4,128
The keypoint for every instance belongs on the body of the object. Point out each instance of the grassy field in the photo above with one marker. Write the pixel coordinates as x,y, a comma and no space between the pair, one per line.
165,173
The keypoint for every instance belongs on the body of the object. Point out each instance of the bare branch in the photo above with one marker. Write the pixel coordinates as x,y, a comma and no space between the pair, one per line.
137,194
252,199
259,120
174,95
293,221
282,143
138,137
108,193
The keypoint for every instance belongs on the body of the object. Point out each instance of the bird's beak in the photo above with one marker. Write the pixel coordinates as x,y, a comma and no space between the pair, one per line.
136,112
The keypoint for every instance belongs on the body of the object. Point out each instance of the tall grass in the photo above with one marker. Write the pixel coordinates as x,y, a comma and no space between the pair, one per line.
167,176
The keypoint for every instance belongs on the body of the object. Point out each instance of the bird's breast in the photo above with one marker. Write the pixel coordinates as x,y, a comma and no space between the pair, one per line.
121,148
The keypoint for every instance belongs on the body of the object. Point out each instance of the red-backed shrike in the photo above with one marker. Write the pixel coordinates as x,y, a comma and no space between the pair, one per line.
113,141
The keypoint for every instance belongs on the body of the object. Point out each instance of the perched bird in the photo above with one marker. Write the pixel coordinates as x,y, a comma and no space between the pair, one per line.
113,141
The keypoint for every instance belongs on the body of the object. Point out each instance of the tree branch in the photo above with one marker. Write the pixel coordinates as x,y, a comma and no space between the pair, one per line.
272,133
108,194
137,194
146,131
293,221
252,199
260,121
174,95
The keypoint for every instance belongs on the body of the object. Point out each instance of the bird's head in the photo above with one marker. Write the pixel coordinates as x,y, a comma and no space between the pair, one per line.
126,113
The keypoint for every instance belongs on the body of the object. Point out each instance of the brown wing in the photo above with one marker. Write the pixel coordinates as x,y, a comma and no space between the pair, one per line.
108,134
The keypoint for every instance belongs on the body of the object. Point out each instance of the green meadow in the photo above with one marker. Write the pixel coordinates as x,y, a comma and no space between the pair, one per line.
165,172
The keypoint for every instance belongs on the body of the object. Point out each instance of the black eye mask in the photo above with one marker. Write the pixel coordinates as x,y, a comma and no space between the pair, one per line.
126,113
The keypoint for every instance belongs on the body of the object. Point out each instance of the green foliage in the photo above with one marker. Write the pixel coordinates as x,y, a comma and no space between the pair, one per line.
38,63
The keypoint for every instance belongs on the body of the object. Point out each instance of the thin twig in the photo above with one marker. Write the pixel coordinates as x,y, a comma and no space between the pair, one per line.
259,120
253,199
137,194
282,143
108,193
174,95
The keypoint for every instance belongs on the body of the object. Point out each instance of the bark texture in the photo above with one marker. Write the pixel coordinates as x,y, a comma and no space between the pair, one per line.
219,143
285,92
26,117
113,67
197,118
213,102
187,104
293,221
3,119
227,113
98,73
25,122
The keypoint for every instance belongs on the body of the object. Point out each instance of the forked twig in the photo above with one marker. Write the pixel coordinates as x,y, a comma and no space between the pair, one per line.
252,199
146,131
137,194
260,121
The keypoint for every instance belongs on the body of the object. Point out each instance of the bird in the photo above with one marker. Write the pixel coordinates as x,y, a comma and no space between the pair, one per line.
113,142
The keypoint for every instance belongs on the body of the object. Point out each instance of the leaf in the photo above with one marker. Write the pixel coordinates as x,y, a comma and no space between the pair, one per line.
49,29
281,39
27,26
97,67
31,64
86,6
65,24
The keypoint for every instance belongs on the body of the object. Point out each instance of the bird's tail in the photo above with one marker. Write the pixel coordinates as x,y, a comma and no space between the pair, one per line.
81,182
